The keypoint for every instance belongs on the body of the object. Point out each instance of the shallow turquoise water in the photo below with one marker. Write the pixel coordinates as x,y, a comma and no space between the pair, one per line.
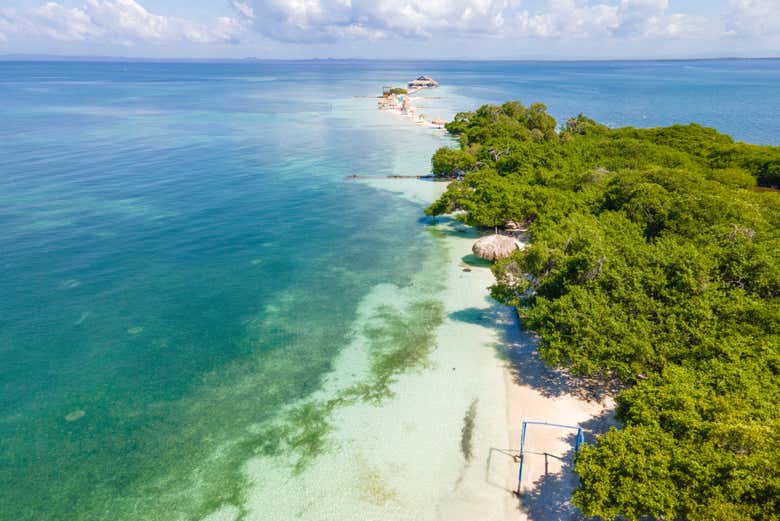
181,254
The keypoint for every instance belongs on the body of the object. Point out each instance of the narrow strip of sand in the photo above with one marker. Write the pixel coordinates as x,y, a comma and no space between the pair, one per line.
406,105
442,444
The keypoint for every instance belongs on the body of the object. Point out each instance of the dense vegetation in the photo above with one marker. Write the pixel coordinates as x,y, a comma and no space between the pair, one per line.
655,260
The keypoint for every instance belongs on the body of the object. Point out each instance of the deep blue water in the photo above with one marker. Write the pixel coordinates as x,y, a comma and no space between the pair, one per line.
181,255
738,97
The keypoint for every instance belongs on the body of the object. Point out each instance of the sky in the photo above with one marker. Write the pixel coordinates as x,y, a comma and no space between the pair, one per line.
395,29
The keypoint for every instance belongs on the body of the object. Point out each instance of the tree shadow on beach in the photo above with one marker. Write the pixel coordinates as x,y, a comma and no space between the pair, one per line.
520,350
599,425
478,316
477,262
549,499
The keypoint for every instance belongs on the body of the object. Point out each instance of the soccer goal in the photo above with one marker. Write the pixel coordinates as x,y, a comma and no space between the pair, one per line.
579,440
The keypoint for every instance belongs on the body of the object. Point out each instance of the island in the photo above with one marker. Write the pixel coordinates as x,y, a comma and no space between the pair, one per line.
652,271
399,100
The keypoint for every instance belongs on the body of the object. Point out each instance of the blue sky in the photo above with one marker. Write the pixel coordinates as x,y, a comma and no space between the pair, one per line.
405,29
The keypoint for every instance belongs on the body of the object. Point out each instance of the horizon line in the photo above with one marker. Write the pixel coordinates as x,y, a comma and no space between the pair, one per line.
118,59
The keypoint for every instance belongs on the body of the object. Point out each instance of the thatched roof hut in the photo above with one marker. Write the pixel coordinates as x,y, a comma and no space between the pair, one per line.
494,247
422,82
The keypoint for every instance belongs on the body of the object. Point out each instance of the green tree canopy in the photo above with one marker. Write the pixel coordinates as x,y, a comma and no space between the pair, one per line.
655,259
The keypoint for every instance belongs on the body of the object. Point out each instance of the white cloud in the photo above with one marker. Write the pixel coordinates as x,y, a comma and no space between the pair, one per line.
315,20
558,23
567,19
123,22
245,9
754,18
625,19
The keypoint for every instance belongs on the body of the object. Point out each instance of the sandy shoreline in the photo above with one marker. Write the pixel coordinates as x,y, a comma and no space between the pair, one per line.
442,445
529,391
410,110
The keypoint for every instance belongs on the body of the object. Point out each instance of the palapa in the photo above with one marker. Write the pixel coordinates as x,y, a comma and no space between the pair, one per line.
496,246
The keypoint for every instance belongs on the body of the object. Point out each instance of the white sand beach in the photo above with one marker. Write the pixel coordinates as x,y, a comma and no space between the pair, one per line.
521,388
407,106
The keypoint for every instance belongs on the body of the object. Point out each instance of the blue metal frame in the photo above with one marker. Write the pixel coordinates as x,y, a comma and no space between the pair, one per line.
580,439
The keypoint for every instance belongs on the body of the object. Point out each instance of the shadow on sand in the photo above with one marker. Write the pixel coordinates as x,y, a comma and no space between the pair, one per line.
519,348
549,498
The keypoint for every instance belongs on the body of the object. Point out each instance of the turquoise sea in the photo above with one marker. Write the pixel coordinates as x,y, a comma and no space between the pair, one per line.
182,259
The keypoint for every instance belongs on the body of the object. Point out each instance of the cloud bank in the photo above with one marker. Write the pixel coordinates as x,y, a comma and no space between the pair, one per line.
124,22
322,20
750,18
329,22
